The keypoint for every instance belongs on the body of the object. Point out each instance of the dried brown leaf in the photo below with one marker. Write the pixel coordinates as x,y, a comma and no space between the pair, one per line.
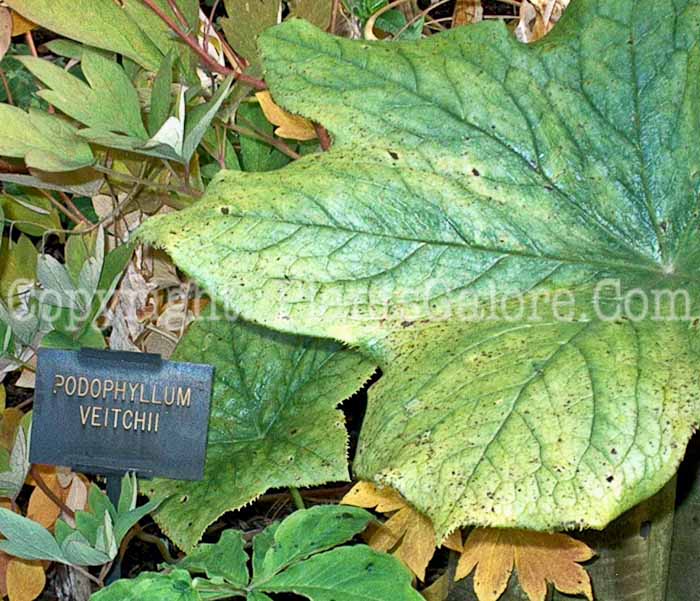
467,11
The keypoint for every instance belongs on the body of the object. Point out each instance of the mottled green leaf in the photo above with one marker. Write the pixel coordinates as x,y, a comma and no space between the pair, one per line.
174,586
490,223
273,422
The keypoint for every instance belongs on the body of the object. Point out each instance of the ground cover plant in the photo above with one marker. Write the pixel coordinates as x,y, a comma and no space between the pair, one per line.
443,257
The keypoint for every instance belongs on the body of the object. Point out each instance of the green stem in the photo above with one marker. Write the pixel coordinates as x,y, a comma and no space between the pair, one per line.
297,498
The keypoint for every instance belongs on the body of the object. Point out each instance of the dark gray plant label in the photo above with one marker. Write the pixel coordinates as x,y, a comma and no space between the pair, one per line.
106,412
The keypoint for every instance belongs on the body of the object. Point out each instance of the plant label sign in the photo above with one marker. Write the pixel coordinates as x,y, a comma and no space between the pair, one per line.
107,412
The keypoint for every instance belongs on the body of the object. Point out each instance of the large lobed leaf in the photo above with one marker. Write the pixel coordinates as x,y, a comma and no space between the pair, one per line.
477,167
273,422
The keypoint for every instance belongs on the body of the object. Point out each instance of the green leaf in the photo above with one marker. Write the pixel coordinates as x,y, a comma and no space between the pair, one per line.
77,550
246,21
44,141
174,586
273,422
33,213
161,97
256,155
346,574
18,263
199,119
126,521
316,12
305,533
27,539
80,246
225,560
108,101
511,175
128,495
12,480
100,23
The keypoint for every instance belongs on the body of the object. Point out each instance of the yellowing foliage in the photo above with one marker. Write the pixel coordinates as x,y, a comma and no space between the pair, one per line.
407,534
539,558
288,126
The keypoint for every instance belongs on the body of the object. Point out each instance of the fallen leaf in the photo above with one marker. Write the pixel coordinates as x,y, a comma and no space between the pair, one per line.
407,534
467,11
41,508
25,580
288,125
5,31
20,25
538,557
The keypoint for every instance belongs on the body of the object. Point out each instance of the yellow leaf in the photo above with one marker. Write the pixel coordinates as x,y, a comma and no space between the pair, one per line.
289,126
367,495
25,580
3,397
538,557
20,25
408,534
41,508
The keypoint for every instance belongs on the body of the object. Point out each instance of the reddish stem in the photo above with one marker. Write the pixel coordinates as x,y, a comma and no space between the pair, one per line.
323,137
204,56
50,494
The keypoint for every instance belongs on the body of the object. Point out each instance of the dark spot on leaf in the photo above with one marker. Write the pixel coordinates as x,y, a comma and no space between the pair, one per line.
475,172
224,210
